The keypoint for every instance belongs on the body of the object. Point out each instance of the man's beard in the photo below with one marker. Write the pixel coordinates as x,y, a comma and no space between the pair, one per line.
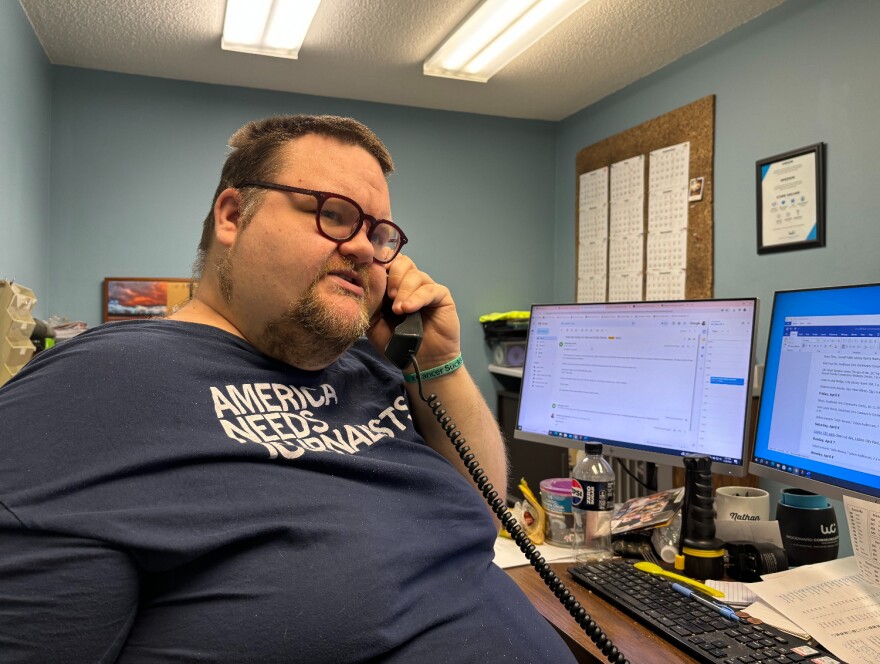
310,333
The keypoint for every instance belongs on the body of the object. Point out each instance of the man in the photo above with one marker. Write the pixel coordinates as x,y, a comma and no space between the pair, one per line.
248,480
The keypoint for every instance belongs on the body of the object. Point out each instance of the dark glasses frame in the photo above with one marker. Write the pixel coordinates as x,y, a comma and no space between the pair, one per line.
321,197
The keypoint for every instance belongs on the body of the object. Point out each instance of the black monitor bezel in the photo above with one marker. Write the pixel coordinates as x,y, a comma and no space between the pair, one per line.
624,451
834,488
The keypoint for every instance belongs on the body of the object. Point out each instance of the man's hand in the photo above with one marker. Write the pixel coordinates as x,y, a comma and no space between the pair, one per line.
413,290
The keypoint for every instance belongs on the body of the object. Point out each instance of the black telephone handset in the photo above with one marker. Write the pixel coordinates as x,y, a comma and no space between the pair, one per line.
406,337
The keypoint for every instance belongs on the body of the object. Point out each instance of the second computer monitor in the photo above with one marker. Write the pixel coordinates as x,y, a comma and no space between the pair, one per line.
653,381
819,418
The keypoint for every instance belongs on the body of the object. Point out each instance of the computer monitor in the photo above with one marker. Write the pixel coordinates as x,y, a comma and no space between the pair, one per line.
652,381
819,418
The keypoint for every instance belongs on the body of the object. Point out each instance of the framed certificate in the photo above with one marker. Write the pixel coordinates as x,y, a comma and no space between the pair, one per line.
791,200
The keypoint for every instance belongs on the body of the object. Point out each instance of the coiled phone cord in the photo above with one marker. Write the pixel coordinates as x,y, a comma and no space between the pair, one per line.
563,594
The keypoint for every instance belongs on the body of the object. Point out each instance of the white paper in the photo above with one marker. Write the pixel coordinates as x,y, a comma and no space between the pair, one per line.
627,230
667,222
736,593
592,266
628,195
627,217
766,613
669,166
508,554
595,254
665,284
626,240
668,188
591,288
749,531
863,518
667,250
832,603
625,275
625,287
625,253
593,205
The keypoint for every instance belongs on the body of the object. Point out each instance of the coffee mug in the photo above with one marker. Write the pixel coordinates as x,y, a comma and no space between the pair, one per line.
808,525
741,503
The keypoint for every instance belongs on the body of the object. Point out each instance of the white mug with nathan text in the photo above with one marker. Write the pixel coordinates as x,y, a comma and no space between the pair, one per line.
741,503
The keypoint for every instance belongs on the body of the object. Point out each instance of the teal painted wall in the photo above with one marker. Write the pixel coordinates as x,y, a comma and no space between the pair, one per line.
25,108
805,72
136,160
488,202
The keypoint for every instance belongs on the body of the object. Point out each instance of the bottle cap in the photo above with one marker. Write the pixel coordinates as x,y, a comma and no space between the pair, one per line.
593,448
668,553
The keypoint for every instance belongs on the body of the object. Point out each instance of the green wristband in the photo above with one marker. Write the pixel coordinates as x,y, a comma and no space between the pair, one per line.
436,372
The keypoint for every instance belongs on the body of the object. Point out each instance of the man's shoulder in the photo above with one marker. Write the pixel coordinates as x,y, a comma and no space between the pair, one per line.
126,346
150,327
137,334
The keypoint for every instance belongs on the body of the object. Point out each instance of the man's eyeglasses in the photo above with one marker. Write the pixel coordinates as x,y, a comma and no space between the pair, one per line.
339,218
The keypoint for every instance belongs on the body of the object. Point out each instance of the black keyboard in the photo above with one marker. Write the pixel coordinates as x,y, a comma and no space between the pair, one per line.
698,631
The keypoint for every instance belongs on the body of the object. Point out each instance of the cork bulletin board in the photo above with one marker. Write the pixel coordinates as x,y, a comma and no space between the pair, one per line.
693,123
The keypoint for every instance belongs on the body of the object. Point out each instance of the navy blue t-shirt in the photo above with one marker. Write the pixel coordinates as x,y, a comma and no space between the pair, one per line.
168,493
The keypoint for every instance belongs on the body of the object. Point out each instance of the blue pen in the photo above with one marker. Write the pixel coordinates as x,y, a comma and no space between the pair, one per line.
723,609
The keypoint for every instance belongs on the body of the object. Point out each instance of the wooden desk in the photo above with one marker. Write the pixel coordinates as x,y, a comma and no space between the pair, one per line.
640,645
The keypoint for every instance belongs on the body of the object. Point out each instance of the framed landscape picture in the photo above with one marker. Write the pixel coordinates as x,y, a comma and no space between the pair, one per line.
137,298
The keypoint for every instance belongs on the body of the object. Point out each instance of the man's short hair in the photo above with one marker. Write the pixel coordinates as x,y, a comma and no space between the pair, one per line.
255,155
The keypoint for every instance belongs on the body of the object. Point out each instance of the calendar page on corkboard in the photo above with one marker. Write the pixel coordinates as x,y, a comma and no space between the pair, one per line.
644,210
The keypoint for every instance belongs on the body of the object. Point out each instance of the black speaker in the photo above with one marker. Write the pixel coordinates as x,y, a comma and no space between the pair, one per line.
747,561
509,353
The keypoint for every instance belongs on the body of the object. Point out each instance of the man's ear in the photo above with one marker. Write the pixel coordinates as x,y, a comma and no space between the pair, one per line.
227,215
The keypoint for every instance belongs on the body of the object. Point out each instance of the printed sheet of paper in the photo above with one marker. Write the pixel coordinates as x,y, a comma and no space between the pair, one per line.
591,287
665,285
625,287
507,553
766,613
592,236
667,222
736,593
832,603
627,230
667,250
863,518
625,254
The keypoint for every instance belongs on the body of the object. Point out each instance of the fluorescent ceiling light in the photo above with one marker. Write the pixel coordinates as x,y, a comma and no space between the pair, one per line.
267,27
494,34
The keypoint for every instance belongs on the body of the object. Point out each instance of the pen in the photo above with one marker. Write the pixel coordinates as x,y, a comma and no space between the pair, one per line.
723,609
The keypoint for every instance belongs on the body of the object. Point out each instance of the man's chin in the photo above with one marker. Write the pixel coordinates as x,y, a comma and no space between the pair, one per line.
343,309
318,328
311,343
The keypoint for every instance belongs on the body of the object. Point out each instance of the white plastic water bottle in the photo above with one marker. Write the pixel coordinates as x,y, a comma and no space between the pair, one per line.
592,504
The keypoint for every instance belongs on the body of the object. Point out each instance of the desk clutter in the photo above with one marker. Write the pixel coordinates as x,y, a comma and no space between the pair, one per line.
16,324
505,334
761,611
704,628
22,335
